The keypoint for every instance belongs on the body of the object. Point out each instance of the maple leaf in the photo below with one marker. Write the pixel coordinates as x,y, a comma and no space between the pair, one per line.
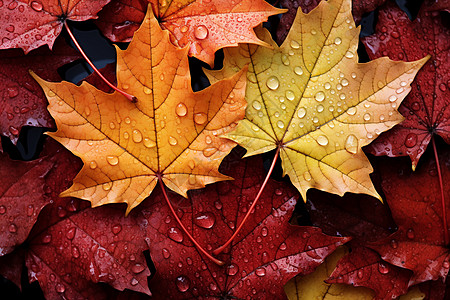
171,133
426,107
265,254
359,8
206,25
313,286
31,24
415,202
22,101
75,246
311,100
22,197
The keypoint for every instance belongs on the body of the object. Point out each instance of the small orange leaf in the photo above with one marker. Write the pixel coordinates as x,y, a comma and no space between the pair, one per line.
211,25
171,133
312,99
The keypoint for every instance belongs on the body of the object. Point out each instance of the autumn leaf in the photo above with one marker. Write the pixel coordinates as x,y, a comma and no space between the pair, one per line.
206,25
265,254
313,286
22,102
426,107
22,197
31,24
171,133
415,202
312,100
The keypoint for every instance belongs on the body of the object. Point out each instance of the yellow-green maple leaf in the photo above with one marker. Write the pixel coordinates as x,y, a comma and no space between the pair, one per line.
170,134
312,99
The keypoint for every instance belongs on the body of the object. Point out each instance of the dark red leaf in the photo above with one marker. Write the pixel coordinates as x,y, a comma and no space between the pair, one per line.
11,266
29,24
364,267
22,196
22,101
264,256
415,202
439,5
426,108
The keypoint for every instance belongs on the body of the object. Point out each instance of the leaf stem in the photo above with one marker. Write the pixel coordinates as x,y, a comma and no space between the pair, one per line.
444,213
215,260
132,98
221,248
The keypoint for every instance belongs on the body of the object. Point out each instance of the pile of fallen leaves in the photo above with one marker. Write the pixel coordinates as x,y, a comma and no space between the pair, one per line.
122,191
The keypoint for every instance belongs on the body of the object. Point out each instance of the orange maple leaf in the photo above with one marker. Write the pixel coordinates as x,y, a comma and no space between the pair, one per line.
171,133
211,25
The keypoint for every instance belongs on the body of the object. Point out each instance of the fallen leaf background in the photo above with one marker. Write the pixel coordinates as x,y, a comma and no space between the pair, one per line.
360,217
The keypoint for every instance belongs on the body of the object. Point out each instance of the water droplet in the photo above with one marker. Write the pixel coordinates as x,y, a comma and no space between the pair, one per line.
112,125
232,270
175,234
70,234
201,32
137,268
12,228
200,118
148,143
290,95
137,136
10,28
351,111
36,6
411,140
367,117
298,70
60,288
112,160
261,271
205,220
337,41
264,231
209,151
30,210
116,229
344,82
12,5
184,28
93,165
360,274
320,96
382,268
327,86
75,252
127,120
183,283
280,124
351,144
319,108
285,59
283,247
46,239
256,105
173,141
272,83
134,281
307,176
13,130
301,112
295,44
107,186
165,253
147,90
442,87
313,32
349,54
322,140
392,98
181,109
410,233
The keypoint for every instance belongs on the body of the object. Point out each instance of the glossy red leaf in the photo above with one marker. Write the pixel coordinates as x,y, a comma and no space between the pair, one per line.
22,101
364,267
426,108
440,5
359,7
29,24
22,196
264,256
415,202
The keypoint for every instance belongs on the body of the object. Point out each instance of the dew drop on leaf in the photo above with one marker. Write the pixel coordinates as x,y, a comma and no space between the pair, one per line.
46,238
137,136
36,6
320,96
175,234
165,253
172,141
351,111
301,112
112,160
201,32
273,83
351,144
12,228
134,281
70,234
382,268
181,110
261,272
411,140
116,229
60,288
322,140
200,118
205,220
298,70
137,268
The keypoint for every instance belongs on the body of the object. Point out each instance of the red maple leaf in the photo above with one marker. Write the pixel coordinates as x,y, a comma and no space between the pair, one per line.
72,246
415,202
22,101
29,24
263,257
426,108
